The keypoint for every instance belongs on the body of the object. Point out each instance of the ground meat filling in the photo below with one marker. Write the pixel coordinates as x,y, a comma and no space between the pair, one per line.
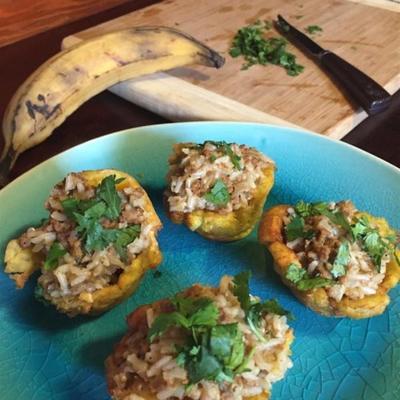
318,253
195,170
77,271
153,367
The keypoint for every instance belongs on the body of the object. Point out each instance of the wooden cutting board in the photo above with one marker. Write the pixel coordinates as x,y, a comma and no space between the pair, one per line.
367,36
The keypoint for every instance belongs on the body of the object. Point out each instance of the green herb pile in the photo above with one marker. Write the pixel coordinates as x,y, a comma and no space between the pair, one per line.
251,43
213,351
87,214
360,230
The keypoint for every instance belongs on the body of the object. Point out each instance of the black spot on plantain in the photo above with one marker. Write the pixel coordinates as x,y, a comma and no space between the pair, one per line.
43,109
40,97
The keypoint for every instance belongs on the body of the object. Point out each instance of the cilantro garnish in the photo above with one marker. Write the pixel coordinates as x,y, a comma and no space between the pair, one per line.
189,313
226,149
341,260
295,229
213,351
313,29
250,43
372,242
107,192
219,194
254,310
55,252
298,275
87,215
321,208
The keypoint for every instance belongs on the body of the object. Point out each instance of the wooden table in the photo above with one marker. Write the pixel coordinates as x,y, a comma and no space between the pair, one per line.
105,113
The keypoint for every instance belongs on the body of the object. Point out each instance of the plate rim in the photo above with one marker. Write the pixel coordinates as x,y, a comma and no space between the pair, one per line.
300,131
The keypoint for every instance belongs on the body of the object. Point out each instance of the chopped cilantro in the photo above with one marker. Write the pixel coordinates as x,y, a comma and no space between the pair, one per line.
55,252
295,229
226,148
107,192
88,213
250,43
313,29
313,283
254,310
212,351
341,260
372,242
295,273
219,194
189,313
298,275
321,208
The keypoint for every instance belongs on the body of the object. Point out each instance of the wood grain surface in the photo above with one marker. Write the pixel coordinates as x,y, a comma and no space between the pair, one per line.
23,18
106,113
366,36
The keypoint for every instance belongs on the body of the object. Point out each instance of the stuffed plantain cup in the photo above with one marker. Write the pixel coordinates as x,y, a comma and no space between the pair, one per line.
204,343
218,189
336,260
97,243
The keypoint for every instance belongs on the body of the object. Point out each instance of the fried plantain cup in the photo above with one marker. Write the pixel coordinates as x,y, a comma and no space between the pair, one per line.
271,234
23,260
138,327
222,223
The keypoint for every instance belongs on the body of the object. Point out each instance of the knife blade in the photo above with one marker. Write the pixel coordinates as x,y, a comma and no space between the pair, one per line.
362,89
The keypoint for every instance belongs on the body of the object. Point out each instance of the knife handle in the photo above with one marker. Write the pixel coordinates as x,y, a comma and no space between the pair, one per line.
367,93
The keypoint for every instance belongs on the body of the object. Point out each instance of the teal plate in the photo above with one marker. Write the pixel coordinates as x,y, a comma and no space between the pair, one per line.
45,355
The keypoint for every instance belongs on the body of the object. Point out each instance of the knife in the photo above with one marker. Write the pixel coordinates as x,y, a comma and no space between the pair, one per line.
363,90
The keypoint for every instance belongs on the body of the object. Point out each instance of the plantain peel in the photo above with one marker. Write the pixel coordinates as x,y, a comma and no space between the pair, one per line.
68,79
21,262
270,235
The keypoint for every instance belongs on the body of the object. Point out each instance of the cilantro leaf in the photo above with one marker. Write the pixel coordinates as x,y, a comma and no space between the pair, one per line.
322,208
120,238
241,289
254,310
295,229
89,227
190,312
107,192
226,149
165,321
204,366
235,159
226,343
341,260
298,275
295,273
56,251
314,283
272,307
373,242
219,194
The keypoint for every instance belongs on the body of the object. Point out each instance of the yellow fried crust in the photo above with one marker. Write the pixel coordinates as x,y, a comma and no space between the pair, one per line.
230,226
137,321
21,263
270,235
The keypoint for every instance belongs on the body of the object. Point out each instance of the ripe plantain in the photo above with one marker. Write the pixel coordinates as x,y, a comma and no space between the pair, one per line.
68,79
